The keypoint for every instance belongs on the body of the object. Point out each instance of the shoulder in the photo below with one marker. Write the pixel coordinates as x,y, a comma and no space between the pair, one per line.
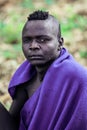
73,69
66,64
19,77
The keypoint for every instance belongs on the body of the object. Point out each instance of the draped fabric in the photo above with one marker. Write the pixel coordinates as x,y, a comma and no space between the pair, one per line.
60,103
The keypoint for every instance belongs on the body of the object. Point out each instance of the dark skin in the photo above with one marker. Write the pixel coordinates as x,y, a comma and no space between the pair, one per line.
40,44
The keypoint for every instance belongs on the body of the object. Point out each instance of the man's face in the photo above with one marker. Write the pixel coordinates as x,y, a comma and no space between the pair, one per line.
40,42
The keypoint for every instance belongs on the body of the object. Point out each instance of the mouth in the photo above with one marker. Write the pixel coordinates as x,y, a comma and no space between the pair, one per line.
35,57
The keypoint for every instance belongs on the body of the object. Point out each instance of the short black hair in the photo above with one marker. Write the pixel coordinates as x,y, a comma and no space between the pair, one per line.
38,15
43,15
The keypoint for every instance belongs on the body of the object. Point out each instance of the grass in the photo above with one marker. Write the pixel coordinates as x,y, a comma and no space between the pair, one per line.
83,54
73,22
12,53
10,32
27,4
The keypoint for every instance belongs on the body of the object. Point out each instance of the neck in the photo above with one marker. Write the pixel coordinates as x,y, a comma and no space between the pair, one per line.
41,70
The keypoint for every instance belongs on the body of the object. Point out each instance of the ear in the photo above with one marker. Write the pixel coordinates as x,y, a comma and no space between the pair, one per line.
61,41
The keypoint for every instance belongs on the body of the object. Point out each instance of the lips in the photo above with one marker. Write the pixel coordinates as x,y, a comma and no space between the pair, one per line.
35,57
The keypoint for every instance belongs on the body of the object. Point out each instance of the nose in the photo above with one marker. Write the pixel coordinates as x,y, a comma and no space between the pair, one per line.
34,45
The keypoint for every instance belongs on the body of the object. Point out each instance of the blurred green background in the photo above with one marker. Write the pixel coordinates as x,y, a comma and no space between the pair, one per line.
72,15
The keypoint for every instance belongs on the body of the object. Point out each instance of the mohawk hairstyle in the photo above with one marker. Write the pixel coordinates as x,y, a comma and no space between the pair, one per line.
38,15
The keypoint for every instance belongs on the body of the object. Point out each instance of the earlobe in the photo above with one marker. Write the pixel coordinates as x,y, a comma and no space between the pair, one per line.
61,41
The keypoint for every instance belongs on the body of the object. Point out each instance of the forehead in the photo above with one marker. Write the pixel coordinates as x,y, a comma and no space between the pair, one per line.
40,27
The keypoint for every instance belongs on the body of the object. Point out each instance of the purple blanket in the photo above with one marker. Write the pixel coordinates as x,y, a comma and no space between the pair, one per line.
60,103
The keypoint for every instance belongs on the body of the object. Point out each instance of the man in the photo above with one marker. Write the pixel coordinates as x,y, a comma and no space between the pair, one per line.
49,90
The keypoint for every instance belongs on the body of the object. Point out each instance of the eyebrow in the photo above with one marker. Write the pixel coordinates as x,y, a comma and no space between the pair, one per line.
44,36
38,36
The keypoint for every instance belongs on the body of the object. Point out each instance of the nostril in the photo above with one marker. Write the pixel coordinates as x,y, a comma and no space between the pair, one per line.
34,46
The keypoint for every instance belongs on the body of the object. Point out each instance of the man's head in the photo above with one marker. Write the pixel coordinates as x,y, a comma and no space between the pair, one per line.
41,38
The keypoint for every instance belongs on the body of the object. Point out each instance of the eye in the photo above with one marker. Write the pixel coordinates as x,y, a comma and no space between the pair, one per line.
26,40
42,40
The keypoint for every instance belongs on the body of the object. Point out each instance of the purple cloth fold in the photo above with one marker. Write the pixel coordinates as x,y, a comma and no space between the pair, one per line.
60,103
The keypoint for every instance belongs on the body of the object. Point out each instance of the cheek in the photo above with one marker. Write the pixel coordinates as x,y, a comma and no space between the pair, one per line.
25,49
50,53
51,49
53,45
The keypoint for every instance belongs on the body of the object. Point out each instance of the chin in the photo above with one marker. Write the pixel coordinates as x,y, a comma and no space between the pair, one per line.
41,63
37,63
